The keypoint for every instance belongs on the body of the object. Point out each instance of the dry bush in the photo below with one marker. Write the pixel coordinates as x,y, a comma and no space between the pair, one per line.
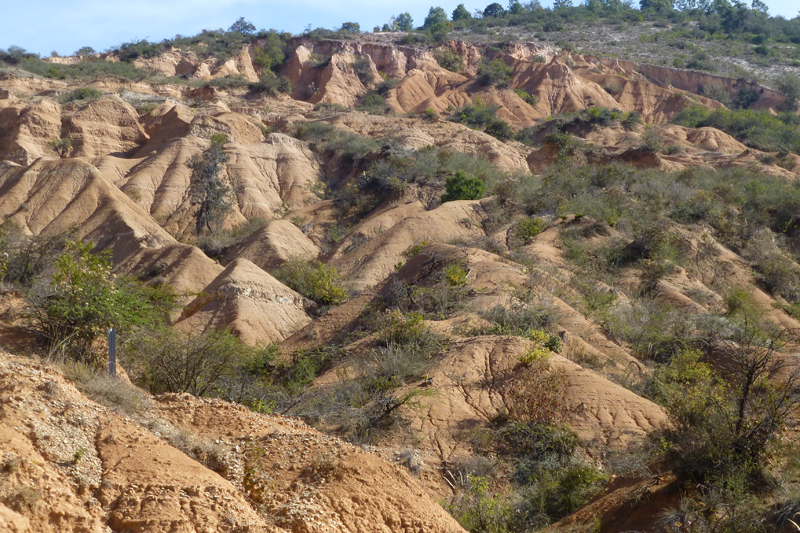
536,393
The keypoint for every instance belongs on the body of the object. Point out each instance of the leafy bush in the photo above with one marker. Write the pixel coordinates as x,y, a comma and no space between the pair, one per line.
724,427
651,140
271,84
373,103
529,99
789,86
84,93
269,56
757,129
363,69
631,120
485,118
494,72
167,360
528,228
538,347
84,301
564,142
449,59
462,187
314,280
477,509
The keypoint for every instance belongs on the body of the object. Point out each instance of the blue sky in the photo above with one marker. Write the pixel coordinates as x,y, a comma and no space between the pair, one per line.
55,25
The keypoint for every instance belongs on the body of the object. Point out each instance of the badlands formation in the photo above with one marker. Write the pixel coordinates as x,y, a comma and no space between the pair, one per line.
177,463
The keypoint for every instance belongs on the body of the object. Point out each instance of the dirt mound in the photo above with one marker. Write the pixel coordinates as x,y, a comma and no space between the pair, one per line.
269,176
708,139
54,196
253,304
184,267
165,122
105,126
471,385
315,482
28,129
392,232
414,134
72,464
274,244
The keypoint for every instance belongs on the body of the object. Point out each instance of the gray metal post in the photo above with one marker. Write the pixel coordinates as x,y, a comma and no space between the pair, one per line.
112,353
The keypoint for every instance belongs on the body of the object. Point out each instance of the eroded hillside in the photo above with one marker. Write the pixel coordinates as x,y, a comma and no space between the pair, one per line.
436,252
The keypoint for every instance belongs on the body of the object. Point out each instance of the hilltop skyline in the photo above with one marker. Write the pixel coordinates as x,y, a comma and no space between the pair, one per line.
39,25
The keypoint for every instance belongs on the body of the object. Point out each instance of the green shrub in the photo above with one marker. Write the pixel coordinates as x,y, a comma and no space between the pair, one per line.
167,360
84,93
314,280
528,228
725,427
494,72
270,55
228,82
363,69
529,99
271,84
455,275
373,103
631,120
563,142
757,129
537,349
63,147
462,187
484,118
84,301
789,86
478,510
651,140
449,59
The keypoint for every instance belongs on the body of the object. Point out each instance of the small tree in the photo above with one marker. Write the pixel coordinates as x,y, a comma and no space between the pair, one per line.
656,5
84,300
85,51
242,26
728,422
789,86
350,27
435,16
494,10
270,55
207,190
404,22
515,8
461,13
